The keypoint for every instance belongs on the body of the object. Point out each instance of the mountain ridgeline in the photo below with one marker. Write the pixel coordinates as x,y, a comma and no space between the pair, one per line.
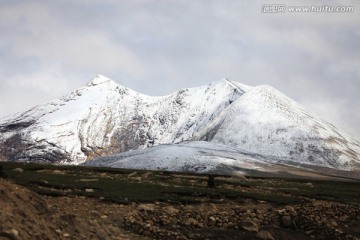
221,122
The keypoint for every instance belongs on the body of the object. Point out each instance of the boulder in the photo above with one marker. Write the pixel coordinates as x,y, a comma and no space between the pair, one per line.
286,221
263,234
249,225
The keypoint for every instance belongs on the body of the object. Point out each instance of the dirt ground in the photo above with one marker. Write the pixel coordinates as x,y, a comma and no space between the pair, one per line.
27,215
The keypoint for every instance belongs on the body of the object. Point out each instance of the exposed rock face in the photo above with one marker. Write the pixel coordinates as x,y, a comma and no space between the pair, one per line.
103,118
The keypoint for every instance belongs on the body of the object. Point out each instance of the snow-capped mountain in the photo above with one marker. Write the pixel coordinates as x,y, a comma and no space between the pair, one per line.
266,122
103,118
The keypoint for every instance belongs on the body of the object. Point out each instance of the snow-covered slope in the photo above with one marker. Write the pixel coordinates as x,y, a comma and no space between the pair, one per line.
103,118
239,124
188,156
266,122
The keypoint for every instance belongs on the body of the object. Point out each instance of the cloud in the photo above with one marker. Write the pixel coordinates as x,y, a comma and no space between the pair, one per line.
41,36
340,111
21,92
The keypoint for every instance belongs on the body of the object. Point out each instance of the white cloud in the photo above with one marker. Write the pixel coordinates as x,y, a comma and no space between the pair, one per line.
21,92
338,112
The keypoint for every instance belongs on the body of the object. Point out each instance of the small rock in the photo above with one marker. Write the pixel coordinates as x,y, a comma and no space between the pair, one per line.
94,213
88,180
164,221
286,221
171,210
146,175
146,207
190,222
89,190
333,224
44,181
282,212
321,236
188,208
212,219
249,225
132,174
18,170
344,219
239,175
256,220
12,234
290,210
138,179
264,235
66,235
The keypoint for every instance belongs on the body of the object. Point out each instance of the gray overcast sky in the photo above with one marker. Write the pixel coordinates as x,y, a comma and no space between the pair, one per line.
49,48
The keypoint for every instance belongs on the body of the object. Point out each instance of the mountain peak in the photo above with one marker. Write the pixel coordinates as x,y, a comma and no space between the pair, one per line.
101,79
240,86
104,117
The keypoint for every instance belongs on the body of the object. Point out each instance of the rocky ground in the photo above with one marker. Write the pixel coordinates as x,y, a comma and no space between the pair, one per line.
27,215
66,202
249,220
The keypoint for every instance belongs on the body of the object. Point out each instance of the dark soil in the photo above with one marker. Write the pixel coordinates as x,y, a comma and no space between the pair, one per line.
67,202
